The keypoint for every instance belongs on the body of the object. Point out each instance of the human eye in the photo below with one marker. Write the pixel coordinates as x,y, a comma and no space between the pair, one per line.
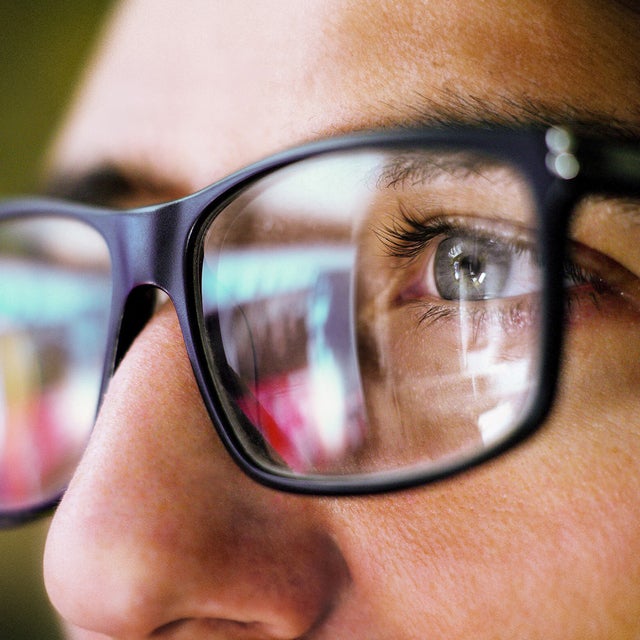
462,260
451,267
454,265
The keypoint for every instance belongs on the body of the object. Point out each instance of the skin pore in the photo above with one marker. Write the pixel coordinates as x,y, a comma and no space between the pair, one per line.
160,535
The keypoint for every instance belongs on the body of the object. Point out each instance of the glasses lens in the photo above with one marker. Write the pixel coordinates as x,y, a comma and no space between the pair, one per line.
375,311
55,292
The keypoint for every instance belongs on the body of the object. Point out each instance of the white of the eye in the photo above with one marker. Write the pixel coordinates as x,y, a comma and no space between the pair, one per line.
524,276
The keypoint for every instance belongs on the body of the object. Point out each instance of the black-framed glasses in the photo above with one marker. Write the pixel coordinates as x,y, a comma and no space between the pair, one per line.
362,314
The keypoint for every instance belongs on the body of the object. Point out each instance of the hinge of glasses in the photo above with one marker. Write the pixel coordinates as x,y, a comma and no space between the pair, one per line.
560,159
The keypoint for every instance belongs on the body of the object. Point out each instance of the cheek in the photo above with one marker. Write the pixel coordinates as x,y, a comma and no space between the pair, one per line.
541,544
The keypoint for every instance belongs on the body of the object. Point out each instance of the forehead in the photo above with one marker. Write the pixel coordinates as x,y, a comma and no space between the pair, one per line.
186,92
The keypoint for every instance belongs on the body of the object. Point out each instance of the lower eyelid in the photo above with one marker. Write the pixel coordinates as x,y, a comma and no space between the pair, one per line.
584,303
512,317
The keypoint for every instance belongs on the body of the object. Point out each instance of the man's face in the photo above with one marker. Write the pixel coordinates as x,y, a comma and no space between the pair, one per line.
160,534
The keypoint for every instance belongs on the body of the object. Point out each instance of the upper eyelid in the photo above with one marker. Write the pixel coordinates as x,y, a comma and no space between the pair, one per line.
406,235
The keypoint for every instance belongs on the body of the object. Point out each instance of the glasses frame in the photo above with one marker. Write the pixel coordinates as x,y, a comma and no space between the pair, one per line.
160,247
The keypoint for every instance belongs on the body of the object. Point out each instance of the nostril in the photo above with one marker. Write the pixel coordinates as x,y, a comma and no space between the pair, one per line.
192,627
170,627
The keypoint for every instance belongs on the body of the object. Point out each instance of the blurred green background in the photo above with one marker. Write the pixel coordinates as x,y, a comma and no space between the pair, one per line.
43,44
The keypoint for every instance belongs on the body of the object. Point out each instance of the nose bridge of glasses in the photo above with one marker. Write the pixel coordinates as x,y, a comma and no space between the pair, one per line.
152,246
149,255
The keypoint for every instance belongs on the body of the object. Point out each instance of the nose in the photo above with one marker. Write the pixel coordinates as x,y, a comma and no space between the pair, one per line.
159,533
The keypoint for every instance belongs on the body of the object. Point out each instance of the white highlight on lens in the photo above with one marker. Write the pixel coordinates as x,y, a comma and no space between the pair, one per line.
510,381
327,382
306,193
505,380
497,422
328,404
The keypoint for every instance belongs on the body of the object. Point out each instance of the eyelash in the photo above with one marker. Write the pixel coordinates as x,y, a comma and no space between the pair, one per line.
408,235
410,232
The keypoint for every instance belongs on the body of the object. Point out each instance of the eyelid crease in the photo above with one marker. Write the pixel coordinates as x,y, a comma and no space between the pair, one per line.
415,168
603,272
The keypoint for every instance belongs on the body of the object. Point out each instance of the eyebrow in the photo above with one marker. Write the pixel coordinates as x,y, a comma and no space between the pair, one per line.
450,108
110,185
100,186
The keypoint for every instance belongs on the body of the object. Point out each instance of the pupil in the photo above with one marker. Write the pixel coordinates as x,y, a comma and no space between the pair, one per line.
469,268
